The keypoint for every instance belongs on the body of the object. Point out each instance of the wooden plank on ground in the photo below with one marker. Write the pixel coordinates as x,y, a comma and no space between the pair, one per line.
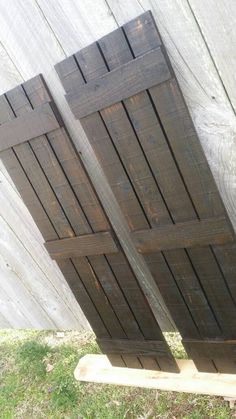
97,369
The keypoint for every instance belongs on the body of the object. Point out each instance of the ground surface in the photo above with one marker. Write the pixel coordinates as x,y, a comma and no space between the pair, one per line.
36,381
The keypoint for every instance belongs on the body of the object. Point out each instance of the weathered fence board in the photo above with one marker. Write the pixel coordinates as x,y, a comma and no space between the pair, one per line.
26,271
193,282
196,39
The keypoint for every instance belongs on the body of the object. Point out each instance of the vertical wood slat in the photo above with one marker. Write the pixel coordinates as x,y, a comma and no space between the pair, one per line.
55,178
157,115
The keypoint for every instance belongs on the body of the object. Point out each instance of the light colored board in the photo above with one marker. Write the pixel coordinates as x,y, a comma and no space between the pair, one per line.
9,75
77,23
221,43
15,288
216,20
97,369
199,79
11,310
5,324
7,177
30,41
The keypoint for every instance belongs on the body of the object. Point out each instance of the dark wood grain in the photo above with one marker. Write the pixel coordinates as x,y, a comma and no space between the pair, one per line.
125,81
89,244
134,347
218,349
183,235
223,353
37,122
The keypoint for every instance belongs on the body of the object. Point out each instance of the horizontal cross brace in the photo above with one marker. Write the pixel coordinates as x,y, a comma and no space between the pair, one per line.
87,245
211,349
183,235
125,81
28,126
154,348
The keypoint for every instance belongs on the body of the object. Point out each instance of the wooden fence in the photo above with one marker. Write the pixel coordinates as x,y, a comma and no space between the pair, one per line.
34,37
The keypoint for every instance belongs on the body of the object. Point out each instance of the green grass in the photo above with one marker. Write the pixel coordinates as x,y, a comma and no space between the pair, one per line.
36,381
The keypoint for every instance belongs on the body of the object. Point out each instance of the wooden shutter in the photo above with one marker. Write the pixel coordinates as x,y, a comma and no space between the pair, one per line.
49,175
124,91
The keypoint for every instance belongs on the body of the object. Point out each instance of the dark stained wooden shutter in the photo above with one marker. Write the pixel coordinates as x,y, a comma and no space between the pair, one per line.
124,91
45,167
